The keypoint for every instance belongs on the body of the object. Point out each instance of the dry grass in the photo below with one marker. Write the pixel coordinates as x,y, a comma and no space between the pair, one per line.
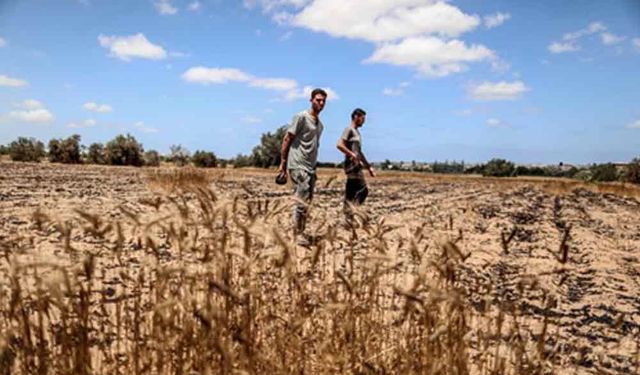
201,281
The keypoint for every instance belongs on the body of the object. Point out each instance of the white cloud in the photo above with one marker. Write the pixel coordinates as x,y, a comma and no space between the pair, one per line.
133,46
95,107
497,90
84,124
179,54
496,123
559,47
270,5
207,76
31,111
194,6
383,21
388,91
249,119
305,93
610,38
634,125
396,91
29,104
165,7
140,125
594,27
6,81
636,43
210,76
569,43
278,84
495,20
286,36
3,42
463,112
431,56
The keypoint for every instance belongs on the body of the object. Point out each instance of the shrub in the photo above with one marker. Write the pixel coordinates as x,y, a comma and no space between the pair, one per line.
152,158
632,174
499,168
65,150
204,159
268,152
447,167
124,150
179,155
604,172
584,175
4,150
96,154
242,161
26,149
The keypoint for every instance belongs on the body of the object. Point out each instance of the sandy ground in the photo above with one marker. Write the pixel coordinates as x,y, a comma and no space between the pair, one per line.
593,304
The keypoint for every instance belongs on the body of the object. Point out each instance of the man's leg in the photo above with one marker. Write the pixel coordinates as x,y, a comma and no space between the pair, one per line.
362,191
304,184
350,199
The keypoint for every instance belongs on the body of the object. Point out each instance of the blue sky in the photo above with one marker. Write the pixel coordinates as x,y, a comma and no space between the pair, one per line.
534,82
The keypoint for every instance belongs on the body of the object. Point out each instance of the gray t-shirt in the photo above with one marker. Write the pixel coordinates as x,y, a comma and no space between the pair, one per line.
303,153
353,141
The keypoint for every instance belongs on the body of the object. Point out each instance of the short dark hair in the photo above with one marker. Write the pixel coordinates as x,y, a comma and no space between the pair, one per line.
318,91
357,112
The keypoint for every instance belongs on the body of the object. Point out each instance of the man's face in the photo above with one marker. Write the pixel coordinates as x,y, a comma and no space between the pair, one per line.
317,102
360,120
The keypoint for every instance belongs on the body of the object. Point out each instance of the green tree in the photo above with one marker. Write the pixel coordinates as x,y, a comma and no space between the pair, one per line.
179,155
96,154
268,152
204,159
632,173
124,150
499,168
65,150
152,158
26,149
604,172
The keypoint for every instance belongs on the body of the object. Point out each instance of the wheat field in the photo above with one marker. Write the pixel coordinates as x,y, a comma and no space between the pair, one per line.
107,270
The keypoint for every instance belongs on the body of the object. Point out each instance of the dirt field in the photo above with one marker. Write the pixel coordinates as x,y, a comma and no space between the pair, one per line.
107,269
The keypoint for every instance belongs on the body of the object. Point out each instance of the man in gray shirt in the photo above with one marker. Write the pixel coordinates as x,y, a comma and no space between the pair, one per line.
350,143
299,157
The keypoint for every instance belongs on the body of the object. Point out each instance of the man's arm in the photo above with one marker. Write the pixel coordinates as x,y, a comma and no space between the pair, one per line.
342,146
284,152
368,165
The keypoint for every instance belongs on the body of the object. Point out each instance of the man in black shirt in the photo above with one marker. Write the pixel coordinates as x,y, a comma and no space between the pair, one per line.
350,143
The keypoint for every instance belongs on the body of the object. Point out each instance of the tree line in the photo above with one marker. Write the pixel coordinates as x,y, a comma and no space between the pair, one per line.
126,150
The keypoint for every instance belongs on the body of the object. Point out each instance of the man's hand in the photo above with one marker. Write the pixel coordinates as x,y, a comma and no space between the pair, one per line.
283,169
354,158
372,171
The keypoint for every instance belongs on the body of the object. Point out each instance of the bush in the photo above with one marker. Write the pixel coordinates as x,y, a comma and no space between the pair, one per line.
204,159
499,168
152,158
65,151
26,149
180,156
96,154
268,153
242,161
124,150
4,150
604,172
632,174
584,175
447,167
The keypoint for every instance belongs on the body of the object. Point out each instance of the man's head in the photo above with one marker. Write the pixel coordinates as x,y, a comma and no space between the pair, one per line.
318,99
358,117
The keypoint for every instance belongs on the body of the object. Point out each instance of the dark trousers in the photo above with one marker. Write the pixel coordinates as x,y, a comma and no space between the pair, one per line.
356,191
